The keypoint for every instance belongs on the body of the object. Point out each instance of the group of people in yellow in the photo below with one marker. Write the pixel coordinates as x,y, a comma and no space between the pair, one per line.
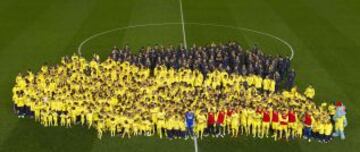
129,100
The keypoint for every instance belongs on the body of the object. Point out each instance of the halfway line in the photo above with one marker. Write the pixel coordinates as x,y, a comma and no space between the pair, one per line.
183,23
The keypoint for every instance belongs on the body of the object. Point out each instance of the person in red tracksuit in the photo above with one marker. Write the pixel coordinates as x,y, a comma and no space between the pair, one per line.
220,123
211,123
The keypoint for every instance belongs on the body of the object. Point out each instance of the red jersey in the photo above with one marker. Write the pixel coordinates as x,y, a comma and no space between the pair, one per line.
221,117
266,116
307,120
292,117
284,119
275,116
211,118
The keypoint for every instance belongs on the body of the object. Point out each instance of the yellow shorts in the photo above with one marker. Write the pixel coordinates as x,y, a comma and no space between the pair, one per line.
266,124
275,126
291,125
256,124
243,122
283,127
339,127
234,125
160,124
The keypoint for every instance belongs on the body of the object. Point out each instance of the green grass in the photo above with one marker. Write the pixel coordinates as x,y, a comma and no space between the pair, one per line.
325,35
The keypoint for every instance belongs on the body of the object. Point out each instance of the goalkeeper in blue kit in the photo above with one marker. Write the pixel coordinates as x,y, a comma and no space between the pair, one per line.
190,123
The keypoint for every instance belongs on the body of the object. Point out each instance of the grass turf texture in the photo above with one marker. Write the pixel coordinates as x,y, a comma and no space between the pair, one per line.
324,34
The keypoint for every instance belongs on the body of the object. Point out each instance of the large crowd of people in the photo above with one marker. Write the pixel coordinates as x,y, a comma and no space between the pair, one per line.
215,91
229,57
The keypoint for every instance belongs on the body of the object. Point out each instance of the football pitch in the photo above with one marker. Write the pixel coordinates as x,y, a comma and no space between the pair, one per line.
323,36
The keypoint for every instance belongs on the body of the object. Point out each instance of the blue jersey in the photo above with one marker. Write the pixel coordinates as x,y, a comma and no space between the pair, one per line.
189,119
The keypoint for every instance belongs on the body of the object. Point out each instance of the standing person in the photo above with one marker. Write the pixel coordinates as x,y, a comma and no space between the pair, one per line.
220,123
340,121
211,123
328,131
190,122
292,121
307,126
290,79
275,123
235,123
310,92
229,118
284,120
265,126
201,124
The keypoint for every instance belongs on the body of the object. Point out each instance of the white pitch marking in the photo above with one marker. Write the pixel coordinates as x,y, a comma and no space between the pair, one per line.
201,24
183,24
119,29
250,30
195,144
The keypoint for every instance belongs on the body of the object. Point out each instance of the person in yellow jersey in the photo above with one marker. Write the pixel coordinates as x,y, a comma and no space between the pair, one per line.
147,126
68,121
299,129
332,112
256,128
250,121
243,120
328,131
258,82
73,115
89,119
113,127
55,118
62,119
309,92
182,130
321,130
100,129
44,118
169,127
37,108
177,123
266,84
272,86
127,129
201,124
136,127
160,122
19,106
235,123
229,112
82,118
154,113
